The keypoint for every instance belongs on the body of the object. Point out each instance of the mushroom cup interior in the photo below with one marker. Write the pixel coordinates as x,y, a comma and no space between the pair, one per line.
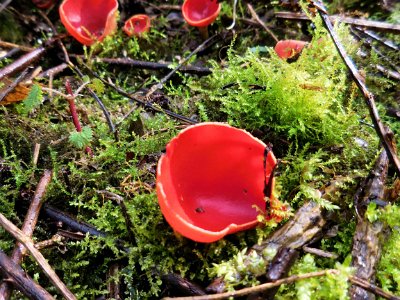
215,176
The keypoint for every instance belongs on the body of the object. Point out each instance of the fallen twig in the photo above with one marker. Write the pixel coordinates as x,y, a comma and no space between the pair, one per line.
101,104
368,96
199,48
259,21
259,288
21,280
27,228
25,60
28,243
149,65
376,25
142,102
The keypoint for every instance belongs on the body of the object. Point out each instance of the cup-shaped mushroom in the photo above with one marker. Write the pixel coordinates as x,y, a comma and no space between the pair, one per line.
90,20
289,48
201,13
137,25
211,181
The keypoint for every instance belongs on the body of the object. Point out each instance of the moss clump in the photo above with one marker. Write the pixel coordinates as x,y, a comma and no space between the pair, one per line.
305,101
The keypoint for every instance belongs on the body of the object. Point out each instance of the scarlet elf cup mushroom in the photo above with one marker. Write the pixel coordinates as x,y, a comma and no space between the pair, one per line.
212,179
289,48
137,25
201,13
90,20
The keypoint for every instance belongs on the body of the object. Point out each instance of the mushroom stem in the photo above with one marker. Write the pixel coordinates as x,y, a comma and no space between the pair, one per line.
203,32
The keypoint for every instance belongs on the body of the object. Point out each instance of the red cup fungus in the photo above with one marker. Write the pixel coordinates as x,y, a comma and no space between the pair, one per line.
201,13
137,25
289,48
90,20
211,181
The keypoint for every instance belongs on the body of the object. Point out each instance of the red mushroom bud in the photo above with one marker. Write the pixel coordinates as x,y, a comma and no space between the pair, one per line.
90,20
137,25
289,48
211,181
201,13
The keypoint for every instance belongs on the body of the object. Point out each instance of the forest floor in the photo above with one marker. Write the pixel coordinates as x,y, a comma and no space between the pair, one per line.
82,129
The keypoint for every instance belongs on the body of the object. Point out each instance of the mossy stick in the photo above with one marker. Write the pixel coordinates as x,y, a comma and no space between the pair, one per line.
368,96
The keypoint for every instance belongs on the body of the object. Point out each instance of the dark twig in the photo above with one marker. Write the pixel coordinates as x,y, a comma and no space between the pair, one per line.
368,43
13,84
259,21
10,53
21,280
27,228
259,288
142,102
376,25
120,201
377,38
25,60
372,288
180,286
28,243
199,48
101,104
140,64
71,222
369,97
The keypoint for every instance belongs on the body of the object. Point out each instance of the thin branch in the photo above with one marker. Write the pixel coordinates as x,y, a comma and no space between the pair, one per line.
372,288
259,288
143,103
28,227
4,5
28,243
101,104
368,96
21,280
149,65
376,25
257,18
9,45
199,48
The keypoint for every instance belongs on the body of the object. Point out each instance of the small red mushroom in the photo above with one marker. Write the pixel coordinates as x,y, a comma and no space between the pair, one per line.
137,25
43,4
90,20
289,48
211,181
201,13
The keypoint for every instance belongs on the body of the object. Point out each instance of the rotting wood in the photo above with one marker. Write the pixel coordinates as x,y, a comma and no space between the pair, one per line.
368,236
306,225
180,286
